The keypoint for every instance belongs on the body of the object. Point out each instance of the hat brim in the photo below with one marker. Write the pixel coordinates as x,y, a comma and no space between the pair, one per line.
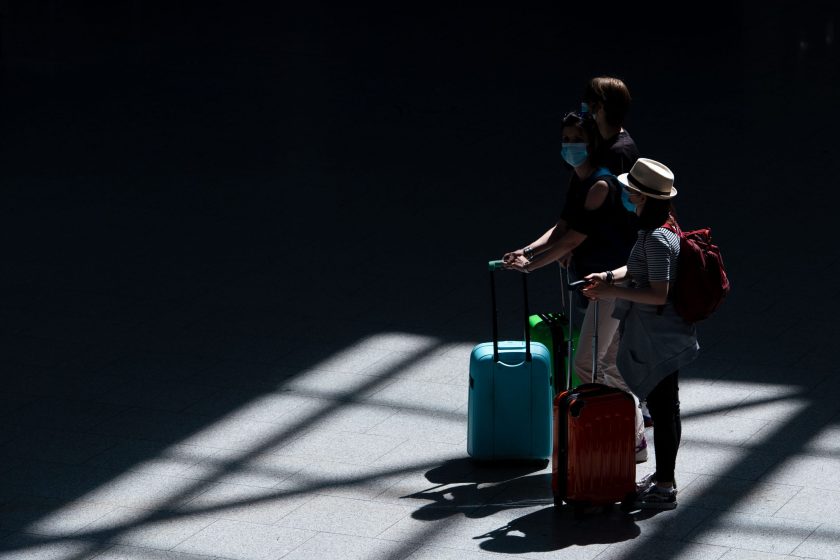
623,180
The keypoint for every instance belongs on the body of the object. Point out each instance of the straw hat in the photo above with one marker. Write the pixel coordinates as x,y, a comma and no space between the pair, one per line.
650,178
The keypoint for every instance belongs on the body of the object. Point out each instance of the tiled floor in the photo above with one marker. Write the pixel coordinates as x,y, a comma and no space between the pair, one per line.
240,291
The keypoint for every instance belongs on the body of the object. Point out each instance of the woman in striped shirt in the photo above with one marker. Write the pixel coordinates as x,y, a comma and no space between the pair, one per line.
655,342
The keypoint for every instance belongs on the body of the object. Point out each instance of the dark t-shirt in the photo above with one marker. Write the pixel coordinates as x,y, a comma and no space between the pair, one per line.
610,229
619,153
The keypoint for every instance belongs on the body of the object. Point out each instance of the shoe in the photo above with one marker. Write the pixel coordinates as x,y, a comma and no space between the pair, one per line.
647,481
642,452
656,497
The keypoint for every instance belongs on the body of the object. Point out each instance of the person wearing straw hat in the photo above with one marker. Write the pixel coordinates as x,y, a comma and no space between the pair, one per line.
655,342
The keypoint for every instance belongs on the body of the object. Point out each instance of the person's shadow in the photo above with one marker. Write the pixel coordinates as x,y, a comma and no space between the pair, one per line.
476,490
548,529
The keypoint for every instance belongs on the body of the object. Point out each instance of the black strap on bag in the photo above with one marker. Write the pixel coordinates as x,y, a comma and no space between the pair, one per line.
494,266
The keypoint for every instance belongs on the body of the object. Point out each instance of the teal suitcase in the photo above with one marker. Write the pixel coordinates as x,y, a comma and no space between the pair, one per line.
509,409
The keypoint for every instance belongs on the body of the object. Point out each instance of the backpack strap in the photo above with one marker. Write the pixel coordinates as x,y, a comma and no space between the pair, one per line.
672,226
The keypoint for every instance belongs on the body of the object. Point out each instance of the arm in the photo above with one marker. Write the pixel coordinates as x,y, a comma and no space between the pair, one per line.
596,195
656,248
560,244
542,243
557,247
656,294
550,237
618,275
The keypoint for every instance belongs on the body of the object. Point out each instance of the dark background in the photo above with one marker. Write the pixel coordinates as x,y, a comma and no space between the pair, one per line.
175,156
226,193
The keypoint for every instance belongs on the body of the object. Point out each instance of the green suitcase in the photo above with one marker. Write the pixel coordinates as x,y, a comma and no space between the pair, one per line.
550,329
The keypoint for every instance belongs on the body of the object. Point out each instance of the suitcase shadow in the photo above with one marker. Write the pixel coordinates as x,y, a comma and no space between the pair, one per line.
470,470
468,487
482,490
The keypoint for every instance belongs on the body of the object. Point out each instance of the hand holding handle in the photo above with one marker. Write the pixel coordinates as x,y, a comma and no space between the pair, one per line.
493,266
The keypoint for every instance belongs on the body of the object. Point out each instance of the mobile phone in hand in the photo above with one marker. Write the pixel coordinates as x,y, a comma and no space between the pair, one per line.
580,284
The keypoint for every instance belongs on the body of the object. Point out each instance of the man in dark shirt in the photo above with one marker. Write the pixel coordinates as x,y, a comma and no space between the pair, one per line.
608,100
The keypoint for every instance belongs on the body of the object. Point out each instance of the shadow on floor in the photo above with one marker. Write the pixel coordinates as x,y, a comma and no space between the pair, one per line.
483,490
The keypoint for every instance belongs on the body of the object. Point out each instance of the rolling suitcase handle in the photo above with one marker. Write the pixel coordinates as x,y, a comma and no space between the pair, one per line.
569,344
595,344
572,287
498,265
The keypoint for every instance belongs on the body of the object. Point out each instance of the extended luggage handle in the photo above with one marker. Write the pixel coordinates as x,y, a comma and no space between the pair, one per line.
595,344
572,286
493,266
568,308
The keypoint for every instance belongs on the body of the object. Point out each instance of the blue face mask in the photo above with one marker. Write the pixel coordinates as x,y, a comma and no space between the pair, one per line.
574,153
625,200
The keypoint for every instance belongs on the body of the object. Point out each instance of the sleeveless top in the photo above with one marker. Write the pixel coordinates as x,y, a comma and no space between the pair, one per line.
610,229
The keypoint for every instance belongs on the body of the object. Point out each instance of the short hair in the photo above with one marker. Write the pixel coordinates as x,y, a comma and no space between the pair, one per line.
590,132
613,94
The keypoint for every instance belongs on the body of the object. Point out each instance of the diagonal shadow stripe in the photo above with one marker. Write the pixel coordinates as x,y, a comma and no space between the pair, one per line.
777,440
170,515
712,411
197,487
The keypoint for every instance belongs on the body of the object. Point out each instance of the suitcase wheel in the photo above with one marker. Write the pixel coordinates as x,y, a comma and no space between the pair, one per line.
627,502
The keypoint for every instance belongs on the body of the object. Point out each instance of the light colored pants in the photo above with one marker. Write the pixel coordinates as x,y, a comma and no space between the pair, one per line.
575,303
607,372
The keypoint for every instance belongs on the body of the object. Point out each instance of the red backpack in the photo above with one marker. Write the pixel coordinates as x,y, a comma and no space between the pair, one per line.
702,283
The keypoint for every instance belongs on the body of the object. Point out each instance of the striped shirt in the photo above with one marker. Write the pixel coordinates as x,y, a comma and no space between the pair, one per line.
654,257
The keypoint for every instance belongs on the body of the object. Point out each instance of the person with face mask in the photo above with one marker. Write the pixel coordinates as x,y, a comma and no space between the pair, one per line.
595,228
655,341
606,100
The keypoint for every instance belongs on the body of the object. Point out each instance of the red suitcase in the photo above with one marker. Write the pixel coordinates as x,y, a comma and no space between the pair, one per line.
594,454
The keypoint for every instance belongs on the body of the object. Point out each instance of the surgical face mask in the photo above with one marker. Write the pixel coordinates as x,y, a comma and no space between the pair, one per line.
574,153
625,200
